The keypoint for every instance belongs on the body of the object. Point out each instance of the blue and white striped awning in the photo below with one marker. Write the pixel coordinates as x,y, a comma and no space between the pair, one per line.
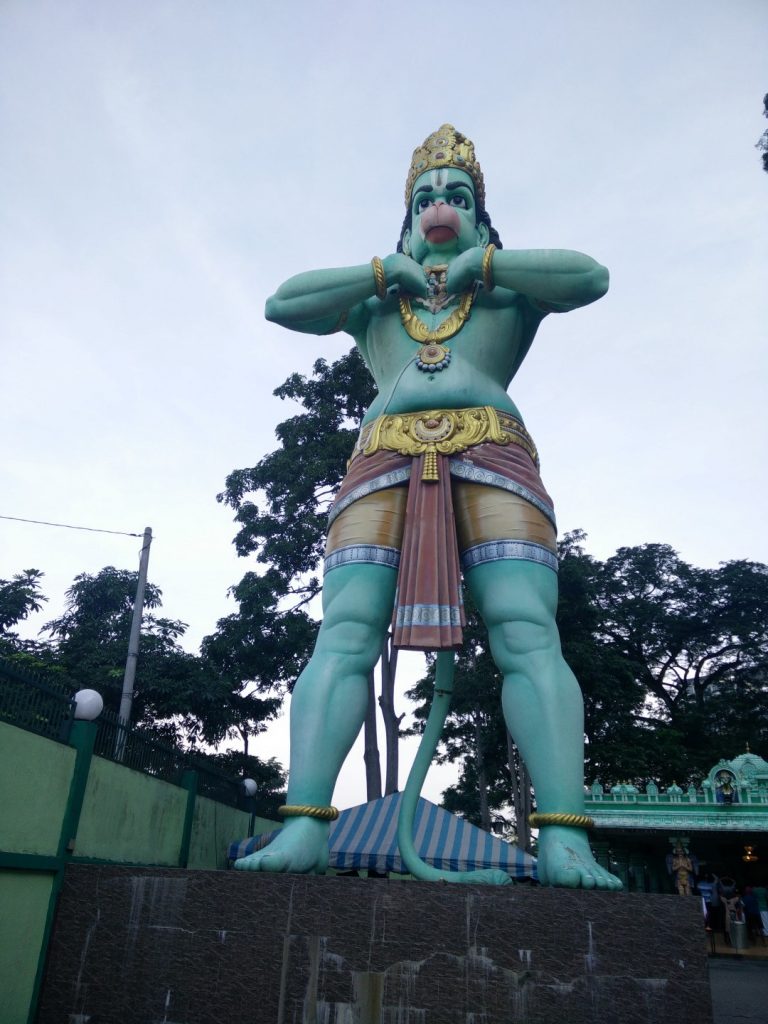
366,837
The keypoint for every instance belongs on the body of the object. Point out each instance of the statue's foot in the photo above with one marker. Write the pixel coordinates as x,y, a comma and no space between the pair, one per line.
301,846
565,859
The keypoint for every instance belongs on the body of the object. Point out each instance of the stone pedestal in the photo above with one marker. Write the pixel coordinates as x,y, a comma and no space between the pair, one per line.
198,947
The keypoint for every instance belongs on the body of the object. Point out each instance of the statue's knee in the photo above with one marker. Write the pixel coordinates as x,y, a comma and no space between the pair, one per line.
352,637
515,643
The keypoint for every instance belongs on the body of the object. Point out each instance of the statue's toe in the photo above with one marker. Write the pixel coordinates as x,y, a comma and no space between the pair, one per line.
611,881
274,862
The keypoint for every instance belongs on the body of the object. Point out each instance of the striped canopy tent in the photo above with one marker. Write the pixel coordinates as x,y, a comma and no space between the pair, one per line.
366,837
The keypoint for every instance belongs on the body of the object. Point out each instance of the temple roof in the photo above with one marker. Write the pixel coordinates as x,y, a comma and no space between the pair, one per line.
733,797
749,764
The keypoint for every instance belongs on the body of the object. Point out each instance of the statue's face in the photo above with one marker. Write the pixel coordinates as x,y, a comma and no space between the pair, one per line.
444,216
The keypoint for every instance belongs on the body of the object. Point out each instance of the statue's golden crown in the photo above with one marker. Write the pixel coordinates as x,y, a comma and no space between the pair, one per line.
445,148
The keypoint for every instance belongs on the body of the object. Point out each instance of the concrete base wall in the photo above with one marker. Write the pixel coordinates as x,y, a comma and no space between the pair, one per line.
137,945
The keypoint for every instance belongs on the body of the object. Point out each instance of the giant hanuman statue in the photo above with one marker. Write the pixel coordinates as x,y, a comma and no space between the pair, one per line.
443,481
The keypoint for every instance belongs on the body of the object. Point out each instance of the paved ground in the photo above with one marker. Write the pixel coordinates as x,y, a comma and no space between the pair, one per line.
739,991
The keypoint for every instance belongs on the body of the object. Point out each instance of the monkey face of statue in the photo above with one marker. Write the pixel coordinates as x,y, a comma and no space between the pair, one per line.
444,216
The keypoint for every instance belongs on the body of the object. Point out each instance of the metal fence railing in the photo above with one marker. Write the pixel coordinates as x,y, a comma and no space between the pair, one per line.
30,703
47,706
223,788
143,752
135,749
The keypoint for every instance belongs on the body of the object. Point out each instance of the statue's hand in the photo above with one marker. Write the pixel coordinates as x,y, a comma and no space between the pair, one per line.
465,270
406,273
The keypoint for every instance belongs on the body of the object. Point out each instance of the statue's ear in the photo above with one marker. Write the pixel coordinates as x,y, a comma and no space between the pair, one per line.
483,234
407,241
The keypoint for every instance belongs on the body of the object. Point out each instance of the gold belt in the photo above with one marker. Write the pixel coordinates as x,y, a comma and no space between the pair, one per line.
443,431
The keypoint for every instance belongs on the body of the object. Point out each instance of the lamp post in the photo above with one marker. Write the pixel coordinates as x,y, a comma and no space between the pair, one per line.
250,787
88,705
126,699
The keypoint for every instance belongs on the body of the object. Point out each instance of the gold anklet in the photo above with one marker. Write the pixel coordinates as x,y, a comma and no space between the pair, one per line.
571,820
308,811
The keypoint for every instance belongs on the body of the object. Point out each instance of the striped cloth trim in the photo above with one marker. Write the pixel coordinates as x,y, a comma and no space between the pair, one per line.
367,554
379,483
366,837
466,470
495,550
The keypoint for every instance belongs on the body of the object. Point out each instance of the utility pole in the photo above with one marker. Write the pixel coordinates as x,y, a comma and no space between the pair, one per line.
126,699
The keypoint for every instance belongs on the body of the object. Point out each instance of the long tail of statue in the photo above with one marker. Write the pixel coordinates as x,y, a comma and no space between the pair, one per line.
441,703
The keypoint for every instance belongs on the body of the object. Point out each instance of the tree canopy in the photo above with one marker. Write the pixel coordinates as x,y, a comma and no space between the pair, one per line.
20,596
180,697
696,643
284,523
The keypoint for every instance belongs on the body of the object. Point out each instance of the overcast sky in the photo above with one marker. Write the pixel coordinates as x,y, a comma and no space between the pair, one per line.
167,164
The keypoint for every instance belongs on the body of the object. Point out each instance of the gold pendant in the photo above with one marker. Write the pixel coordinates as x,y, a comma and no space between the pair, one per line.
433,358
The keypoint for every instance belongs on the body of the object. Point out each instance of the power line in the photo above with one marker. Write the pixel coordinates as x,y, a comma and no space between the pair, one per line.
67,526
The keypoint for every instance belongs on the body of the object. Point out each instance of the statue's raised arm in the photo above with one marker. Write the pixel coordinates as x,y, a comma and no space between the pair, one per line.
556,280
326,301
443,482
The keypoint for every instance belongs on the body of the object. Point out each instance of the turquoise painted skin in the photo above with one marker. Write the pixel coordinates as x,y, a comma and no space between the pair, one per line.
517,599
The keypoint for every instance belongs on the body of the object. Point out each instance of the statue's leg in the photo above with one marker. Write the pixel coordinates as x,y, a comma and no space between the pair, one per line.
543,708
328,708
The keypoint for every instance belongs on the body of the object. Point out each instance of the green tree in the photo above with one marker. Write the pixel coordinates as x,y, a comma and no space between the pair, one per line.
260,642
269,776
20,597
177,695
294,485
696,643
259,650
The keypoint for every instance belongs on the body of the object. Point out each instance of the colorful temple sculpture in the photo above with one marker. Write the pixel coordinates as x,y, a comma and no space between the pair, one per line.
721,825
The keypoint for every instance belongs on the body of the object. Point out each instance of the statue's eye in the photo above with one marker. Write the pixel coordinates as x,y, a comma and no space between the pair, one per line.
422,205
458,201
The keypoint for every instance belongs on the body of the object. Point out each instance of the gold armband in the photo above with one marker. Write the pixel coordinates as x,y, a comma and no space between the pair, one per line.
487,266
379,277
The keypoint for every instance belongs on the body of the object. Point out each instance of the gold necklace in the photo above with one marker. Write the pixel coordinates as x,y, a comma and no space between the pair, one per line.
433,356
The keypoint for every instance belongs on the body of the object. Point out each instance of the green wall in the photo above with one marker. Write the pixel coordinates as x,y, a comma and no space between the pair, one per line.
24,900
35,774
214,827
131,817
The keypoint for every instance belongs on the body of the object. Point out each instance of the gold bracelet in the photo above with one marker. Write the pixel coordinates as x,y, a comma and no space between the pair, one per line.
339,323
571,820
487,266
379,277
308,811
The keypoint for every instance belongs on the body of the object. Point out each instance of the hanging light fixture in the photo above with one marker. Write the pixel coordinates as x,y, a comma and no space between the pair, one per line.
749,855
